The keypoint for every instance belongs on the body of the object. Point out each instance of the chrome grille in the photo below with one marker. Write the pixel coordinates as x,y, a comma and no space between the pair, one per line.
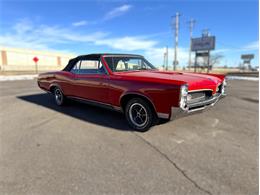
198,96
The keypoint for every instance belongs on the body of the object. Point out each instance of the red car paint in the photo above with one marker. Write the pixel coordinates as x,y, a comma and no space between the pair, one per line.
161,88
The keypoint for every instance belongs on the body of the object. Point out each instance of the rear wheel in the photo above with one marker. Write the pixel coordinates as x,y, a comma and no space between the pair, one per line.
139,114
58,96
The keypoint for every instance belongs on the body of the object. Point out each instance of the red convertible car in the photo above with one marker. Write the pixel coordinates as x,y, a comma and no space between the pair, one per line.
130,84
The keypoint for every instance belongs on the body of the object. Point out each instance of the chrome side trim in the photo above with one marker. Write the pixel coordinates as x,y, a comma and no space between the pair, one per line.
163,115
117,108
96,103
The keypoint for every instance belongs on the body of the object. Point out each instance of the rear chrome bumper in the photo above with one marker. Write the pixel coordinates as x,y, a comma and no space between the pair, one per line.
177,112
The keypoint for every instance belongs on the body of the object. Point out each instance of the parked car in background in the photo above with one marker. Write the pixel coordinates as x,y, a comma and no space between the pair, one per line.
132,85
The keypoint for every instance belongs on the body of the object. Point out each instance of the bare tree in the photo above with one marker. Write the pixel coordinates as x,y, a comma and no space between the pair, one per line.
202,62
215,59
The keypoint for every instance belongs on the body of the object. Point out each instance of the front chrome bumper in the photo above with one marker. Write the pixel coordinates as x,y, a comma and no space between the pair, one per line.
176,112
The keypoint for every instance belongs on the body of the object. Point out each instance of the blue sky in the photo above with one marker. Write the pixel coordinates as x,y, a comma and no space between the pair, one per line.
142,27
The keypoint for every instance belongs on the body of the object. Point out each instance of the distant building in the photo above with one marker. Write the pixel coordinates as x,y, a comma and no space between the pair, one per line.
16,59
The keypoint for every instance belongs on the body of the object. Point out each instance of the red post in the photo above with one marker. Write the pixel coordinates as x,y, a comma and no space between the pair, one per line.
35,59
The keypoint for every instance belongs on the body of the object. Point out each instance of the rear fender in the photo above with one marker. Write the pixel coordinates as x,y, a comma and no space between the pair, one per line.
55,85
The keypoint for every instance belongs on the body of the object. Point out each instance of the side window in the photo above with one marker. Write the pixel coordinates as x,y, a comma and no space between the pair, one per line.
128,64
75,68
121,66
88,67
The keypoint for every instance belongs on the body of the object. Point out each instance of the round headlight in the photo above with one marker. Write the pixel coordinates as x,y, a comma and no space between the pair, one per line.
183,103
224,82
183,97
184,90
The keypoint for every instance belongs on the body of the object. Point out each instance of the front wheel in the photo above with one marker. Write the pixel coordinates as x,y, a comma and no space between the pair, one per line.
59,97
139,114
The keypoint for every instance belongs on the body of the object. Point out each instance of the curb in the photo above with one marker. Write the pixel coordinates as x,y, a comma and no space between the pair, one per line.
18,77
242,78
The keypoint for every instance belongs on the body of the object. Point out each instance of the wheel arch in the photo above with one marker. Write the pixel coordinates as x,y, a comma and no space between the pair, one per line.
128,96
53,86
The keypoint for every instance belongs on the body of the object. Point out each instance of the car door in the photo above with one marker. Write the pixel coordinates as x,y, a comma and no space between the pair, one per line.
92,81
67,81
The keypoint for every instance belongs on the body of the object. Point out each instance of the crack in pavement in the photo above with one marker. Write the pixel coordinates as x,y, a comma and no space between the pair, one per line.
44,121
173,163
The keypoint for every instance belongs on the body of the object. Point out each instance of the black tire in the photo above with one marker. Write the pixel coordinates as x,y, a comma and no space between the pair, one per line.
59,97
139,114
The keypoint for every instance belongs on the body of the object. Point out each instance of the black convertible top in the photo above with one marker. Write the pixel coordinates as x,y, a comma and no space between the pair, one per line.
96,56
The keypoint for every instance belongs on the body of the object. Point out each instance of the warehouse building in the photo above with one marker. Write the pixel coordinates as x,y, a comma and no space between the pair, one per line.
16,59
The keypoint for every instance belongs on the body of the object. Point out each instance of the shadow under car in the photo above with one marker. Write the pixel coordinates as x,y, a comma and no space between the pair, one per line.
85,112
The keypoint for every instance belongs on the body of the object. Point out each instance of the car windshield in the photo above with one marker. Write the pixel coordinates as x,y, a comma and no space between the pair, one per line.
128,63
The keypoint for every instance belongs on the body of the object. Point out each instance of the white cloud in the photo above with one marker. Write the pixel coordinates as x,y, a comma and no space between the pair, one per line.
44,37
251,46
155,55
80,23
118,11
28,35
23,26
127,43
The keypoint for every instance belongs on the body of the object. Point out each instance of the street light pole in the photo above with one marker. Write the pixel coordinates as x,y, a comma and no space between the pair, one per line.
166,57
191,25
176,28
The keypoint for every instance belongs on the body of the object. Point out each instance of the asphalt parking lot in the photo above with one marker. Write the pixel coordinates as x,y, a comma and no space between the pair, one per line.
81,149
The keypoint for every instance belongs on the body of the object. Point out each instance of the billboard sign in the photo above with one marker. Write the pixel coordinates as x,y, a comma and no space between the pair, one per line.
202,54
247,56
203,43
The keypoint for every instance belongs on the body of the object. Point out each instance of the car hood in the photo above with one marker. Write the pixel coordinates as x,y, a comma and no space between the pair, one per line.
195,81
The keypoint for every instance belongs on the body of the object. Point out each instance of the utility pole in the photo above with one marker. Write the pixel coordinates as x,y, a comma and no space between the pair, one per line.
164,54
191,25
175,26
166,57
205,33
208,61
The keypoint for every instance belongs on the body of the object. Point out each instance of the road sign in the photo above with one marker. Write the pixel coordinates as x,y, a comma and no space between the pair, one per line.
204,43
35,59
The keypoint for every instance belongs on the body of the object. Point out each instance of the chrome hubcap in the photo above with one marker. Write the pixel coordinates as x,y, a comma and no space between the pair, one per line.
58,96
138,114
